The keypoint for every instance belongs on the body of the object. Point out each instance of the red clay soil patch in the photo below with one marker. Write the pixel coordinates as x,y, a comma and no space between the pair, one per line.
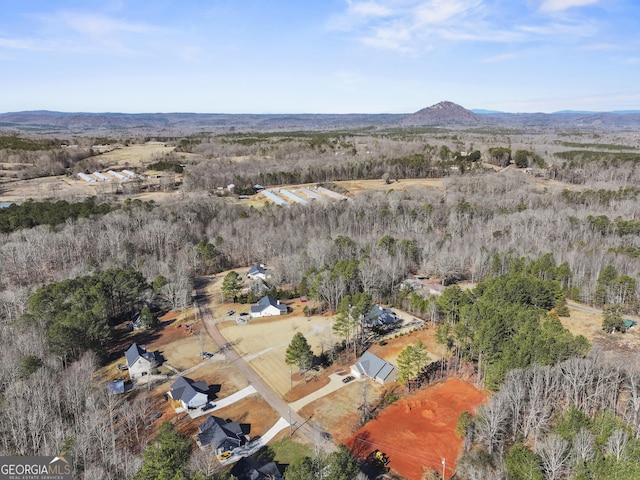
419,430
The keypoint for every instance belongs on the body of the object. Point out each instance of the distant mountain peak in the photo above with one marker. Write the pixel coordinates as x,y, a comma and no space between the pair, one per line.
443,113
446,105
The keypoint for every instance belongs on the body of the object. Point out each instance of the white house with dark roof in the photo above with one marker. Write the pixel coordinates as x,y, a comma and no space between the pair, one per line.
139,361
188,394
258,272
374,367
220,435
268,306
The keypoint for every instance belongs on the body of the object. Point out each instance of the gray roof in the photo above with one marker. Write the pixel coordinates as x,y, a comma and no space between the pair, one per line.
136,351
267,301
256,269
380,316
115,388
374,367
250,469
219,433
185,389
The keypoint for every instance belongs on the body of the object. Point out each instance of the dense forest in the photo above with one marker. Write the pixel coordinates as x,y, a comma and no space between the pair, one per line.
73,270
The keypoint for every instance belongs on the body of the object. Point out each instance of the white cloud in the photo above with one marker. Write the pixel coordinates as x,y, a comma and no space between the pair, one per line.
404,25
561,30
98,24
82,32
560,5
369,9
419,25
437,12
500,58
18,44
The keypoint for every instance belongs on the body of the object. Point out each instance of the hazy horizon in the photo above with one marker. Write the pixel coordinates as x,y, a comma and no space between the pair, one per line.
332,56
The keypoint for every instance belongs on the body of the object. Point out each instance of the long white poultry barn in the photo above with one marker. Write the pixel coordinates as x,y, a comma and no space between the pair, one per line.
87,178
273,197
102,177
293,196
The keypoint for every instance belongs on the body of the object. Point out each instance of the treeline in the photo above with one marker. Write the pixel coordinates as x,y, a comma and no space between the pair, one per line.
506,321
79,313
30,214
579,158
451,234
14,142
601,196
205,176
579,419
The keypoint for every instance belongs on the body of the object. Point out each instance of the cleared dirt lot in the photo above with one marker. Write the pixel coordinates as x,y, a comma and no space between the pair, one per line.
419,430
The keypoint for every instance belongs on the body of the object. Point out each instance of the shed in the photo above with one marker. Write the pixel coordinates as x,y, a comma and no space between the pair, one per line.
115,388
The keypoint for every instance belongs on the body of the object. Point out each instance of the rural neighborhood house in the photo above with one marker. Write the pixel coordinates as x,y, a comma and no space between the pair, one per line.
139,361
188,394
372,366
258,272
220,435
268,306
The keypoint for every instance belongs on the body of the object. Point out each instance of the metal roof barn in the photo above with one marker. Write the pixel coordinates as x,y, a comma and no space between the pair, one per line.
102,177
293,196
273,197
87,178
331,193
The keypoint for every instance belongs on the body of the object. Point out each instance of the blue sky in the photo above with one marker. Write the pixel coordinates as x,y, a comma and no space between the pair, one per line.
318,56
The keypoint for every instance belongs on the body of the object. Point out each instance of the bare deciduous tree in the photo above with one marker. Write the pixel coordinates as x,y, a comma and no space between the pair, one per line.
554,452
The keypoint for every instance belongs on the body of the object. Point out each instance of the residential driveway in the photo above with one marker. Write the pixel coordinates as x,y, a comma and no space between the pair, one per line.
335,383
224,402
253,446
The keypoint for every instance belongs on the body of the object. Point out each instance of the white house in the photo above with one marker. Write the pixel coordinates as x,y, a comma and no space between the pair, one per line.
268,306
139,361
257,272
187,394
374,367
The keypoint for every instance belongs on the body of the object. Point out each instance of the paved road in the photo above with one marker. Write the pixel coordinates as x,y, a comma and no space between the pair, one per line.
300,426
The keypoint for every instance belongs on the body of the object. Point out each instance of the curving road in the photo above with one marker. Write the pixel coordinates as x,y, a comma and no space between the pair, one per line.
299,425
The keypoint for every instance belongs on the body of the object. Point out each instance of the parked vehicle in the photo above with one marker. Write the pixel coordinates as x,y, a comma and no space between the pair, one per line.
348,379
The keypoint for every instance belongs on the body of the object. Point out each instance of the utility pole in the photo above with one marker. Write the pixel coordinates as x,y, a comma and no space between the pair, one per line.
444,463
290,426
